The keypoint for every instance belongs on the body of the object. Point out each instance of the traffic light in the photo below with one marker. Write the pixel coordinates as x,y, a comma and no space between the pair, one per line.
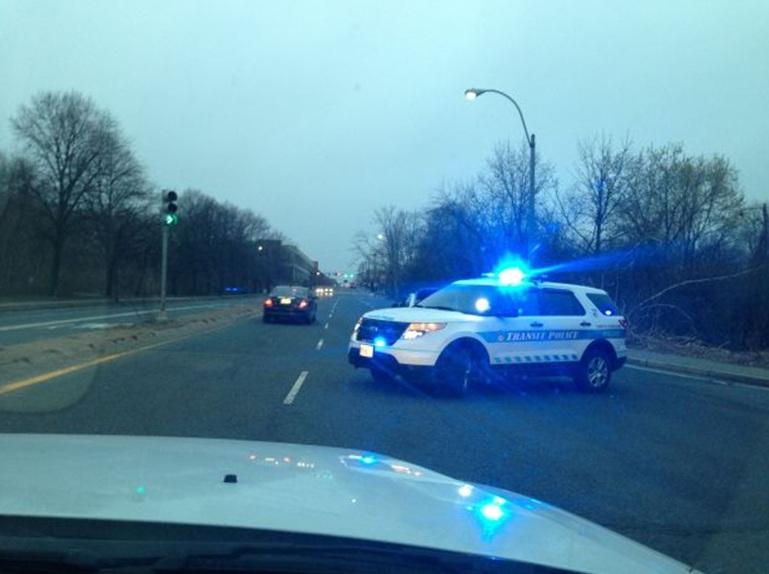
169,208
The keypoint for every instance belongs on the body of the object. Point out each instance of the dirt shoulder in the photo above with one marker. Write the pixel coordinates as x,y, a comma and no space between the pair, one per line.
35,358
696,349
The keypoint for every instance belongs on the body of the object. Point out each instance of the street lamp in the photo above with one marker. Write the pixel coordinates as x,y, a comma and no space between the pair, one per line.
470,95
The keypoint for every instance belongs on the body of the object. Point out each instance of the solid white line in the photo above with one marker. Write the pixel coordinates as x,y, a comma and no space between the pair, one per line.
704,379
320,344
295,389
99,317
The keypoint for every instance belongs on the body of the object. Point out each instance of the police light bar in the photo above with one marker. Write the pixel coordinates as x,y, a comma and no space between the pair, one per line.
511,276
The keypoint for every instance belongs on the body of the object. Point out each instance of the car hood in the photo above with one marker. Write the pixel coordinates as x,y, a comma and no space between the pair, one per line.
304,489
418,314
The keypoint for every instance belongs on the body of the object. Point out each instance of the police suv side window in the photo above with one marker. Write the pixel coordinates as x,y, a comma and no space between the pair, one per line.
604,303
560,303
519,302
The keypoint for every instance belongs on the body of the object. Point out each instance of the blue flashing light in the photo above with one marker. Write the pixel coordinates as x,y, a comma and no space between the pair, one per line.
511,276
368,459
491,513
482,304
380,342
607,312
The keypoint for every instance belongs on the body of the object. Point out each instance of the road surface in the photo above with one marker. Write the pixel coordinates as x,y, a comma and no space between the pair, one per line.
675,462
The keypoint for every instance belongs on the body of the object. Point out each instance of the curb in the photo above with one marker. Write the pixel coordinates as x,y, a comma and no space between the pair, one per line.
699,371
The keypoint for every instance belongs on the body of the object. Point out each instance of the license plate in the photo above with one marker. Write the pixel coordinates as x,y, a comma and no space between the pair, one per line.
366,351
285,301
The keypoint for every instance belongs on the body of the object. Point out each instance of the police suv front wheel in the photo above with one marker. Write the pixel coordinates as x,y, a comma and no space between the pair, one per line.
454,370
593,374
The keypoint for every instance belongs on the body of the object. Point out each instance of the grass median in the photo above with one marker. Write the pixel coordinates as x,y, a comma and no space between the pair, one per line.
24,364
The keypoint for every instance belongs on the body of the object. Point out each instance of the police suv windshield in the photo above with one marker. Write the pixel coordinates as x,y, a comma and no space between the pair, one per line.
480,299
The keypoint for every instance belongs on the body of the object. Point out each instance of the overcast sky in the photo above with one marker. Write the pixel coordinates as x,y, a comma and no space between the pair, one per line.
314,113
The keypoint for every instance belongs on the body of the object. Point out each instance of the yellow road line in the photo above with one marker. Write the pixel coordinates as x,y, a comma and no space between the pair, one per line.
45,377
61,372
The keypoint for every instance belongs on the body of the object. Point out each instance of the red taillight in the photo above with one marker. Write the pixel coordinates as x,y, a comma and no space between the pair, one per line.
623,323
268,302
303,303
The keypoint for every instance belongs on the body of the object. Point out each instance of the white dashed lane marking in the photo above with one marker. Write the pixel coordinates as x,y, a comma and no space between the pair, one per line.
295,389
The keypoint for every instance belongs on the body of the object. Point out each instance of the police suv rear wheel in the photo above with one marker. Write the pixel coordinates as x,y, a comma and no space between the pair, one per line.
594,371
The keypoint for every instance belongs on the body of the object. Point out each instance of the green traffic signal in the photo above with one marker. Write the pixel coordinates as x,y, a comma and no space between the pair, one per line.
170,198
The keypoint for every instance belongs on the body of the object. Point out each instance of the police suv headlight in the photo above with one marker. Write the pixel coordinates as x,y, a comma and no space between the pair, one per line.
356,328
416,330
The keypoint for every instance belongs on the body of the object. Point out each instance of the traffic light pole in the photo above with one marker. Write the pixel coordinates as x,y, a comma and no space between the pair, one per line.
170,218
163,275
531,223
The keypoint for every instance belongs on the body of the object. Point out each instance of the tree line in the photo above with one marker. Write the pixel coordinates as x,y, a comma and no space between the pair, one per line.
668,234
79,214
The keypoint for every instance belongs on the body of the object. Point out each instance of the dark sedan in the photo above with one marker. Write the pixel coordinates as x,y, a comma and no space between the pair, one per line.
290,302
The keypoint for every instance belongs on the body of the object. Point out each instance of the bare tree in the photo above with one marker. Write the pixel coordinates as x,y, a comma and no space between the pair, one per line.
20,240
5,185
386,255
681,203
503,193
119,195
591,210
62,135
217,244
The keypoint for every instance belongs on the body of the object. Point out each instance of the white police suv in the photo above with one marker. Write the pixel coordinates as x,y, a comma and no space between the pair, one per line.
476,329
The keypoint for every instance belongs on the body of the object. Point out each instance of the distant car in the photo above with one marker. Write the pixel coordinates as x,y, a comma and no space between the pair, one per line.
326,291
290,302
473,328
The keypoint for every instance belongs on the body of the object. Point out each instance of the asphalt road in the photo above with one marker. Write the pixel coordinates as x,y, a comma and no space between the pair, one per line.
677,463
23,326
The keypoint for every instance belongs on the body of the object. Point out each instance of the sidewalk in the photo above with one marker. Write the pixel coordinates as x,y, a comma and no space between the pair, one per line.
699,367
